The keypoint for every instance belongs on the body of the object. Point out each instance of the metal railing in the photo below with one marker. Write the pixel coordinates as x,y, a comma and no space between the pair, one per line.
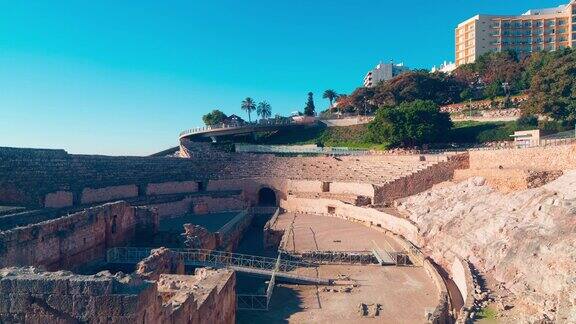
299,149
333,257
252,302
261,123
546,142
259,302
201,257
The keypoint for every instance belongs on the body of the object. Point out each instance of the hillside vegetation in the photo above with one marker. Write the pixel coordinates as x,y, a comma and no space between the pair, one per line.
358,136
548,78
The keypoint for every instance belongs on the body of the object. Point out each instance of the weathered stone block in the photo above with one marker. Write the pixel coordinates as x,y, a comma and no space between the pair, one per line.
4,304
62,303
107,305
19,303
80,306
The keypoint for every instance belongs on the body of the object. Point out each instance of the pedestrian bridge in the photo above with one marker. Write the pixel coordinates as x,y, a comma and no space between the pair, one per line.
250,264
240,128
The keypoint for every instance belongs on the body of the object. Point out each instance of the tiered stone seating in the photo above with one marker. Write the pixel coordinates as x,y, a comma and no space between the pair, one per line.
37,172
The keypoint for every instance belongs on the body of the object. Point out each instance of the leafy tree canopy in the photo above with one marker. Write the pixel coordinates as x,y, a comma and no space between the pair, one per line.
553,86
409,124
214,117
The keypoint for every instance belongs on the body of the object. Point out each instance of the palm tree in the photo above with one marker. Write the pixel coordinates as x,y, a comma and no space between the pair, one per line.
330,95
249,106
264,110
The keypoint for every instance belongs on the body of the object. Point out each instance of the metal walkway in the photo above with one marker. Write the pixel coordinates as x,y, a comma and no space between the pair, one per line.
251,264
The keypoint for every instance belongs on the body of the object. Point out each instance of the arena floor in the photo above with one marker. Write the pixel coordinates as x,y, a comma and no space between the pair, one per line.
324,233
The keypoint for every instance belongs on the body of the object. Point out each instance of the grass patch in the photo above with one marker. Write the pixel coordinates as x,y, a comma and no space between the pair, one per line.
344,136
463,132
488,313
481,132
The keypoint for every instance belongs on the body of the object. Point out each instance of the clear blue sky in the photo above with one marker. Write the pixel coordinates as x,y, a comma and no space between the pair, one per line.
125,77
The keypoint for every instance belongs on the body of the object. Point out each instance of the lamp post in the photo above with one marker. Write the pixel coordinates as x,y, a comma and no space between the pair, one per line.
506,87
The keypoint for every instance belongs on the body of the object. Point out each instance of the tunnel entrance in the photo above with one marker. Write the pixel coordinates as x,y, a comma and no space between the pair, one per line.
267,198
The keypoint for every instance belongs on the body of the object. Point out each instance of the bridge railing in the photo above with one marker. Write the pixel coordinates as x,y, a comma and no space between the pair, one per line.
252,302
299,149
261,123
200,256
333,257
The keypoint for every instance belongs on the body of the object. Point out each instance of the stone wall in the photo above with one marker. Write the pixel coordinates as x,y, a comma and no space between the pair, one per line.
365,215
462,277
59,199
231,233
205,298
420,180
31,296
441,313
160,261
561,157
72,240
199,203
508,180
90,196
197,237
171,187
207,204
31,178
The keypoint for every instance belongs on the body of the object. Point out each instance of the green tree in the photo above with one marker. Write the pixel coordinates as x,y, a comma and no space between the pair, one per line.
466,94
493,90
410,124
214,117
249,106
438,87
264,110
331,95
310,109
553,88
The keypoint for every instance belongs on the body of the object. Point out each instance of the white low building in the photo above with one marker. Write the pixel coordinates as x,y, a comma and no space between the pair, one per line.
446,67
383,72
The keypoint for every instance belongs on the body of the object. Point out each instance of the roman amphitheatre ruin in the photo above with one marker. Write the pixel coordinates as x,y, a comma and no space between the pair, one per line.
212,236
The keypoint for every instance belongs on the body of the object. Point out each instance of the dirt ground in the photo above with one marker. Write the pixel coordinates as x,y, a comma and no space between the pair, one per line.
325,233
404,293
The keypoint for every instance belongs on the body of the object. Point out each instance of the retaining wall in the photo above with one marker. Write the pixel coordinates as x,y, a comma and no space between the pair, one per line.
366,215
441,313
561,157
462,277
70,241
31,296
90,196
421,180
39,178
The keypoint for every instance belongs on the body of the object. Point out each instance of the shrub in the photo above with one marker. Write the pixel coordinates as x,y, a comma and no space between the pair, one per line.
410,124
527,121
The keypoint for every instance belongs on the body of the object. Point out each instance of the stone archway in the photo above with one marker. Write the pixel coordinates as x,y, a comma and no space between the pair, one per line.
267,198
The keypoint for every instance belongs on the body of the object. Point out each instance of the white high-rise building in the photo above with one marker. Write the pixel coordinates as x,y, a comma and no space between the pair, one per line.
383,72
